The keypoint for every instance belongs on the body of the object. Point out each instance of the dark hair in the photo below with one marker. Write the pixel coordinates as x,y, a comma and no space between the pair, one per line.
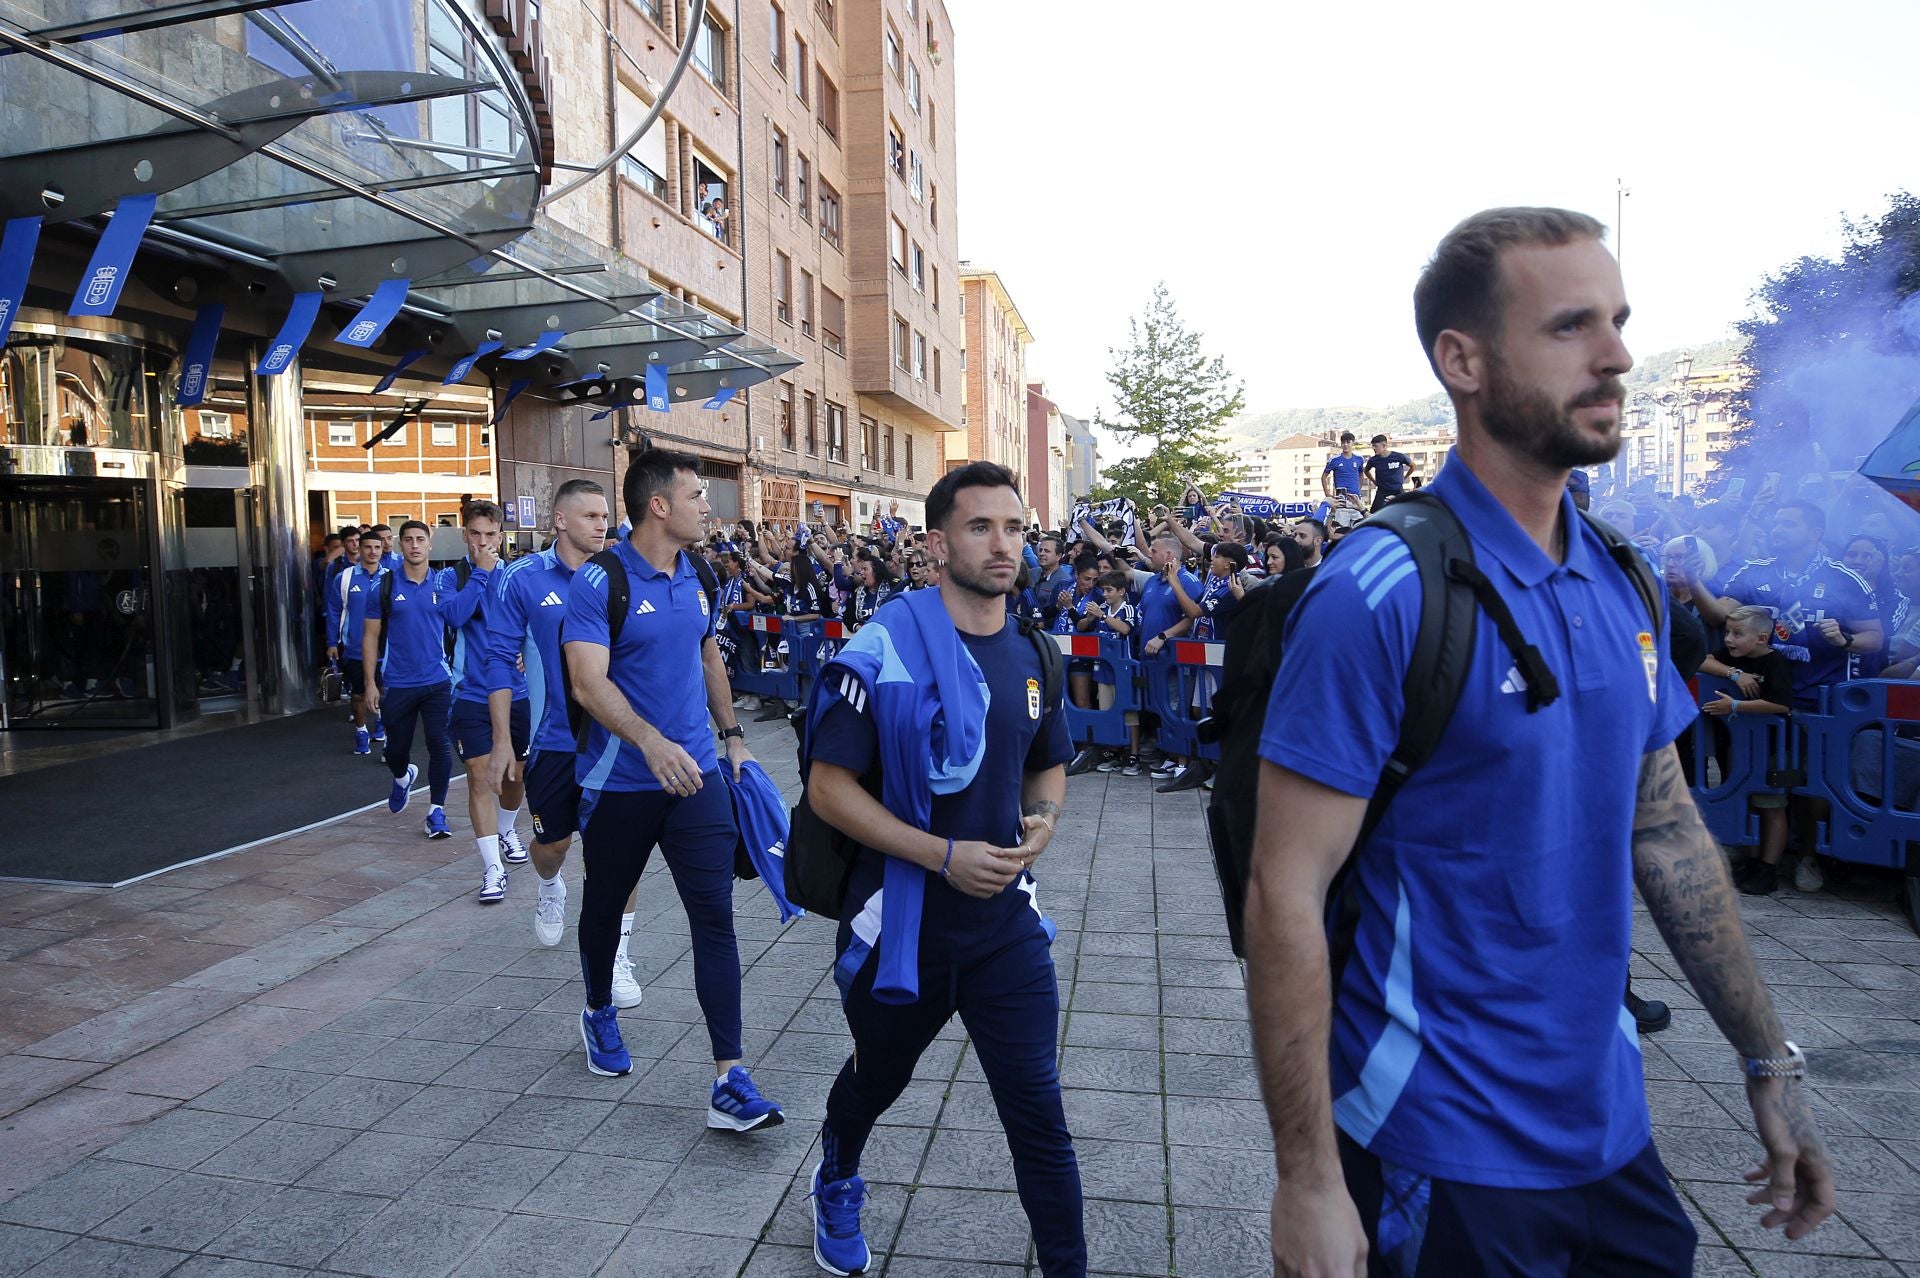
1346,437
980,474
1378,439
1115,580
1059,543
1086,561
1319,527
382,531
1233,552
574,488
883,573
650,474
1815,517
412,524
481,510
350,530
1292,555
1460,287
331,538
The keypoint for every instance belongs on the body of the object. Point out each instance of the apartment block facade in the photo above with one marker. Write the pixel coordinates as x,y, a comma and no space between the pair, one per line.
996,380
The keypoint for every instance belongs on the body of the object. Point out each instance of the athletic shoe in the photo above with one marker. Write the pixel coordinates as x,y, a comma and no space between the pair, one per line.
1109,762
738,1106
1650,1015
1083,762
550,912
626,990
1131,768
493,886
436,825
1185,777
1165,770
1807,876
838,1246
1758,879
512,850
770,709
362,743
403,789
379,729
606,1054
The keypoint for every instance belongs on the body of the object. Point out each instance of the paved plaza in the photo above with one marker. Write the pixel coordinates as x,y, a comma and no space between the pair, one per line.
322,1056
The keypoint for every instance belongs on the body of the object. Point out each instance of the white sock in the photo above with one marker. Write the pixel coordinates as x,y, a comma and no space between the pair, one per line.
507,816
626,929
490,850
552,886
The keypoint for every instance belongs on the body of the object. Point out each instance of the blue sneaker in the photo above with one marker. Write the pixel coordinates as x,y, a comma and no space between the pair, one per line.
403,789
361,742
437,825
512,850
606,1054
379,728
838,1246
738,1106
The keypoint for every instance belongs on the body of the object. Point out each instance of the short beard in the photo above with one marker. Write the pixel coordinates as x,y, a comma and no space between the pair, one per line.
1531,424
980,585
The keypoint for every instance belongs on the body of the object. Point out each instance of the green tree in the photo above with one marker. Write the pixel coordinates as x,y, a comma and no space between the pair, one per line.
1175,398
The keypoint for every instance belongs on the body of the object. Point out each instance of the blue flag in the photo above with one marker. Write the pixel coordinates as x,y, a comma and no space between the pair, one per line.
293,333
513,392
720,400
545,342
374,317
657,389
112,256
199,358
16,262
399,367
466,364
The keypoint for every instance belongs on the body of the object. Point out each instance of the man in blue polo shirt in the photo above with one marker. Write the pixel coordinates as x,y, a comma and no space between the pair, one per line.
649,772
464,606
347,599
412,681
1341,474
1470,1099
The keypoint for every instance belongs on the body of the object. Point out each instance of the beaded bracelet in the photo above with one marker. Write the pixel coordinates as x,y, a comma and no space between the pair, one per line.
944,865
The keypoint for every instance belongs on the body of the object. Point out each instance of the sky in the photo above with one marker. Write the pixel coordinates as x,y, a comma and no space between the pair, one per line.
1287,169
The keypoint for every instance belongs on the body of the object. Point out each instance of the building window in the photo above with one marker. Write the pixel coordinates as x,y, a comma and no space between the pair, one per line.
828,105
896,151
445,435
810,418
777,36
339,434
395,440
646,164
219,426
935,293
916,178
711,207
823,9
933,206
893,51
933,126
913,86
909,457
786,416
803,181
901,336
869,444
806,304
783,288
710,52
829,214
780,164
836,432
833,322
800,80
936,370
913,9
919,357
919,271
886,449
897,244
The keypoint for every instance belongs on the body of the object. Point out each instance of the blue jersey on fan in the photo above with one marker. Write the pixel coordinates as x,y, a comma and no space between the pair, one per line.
524,614
1345,469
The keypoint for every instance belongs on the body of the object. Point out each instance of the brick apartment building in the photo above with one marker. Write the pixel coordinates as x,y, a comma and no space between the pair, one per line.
995,409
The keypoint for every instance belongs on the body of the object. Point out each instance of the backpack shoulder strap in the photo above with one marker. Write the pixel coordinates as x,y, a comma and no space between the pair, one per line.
1638,567
386,595
462,572
619,592
708,582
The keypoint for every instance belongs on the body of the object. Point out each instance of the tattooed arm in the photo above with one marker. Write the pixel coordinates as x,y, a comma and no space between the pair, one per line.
1041,794
1684,882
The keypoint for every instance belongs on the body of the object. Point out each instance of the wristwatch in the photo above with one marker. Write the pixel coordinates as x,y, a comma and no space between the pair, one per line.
1792,1065
735,731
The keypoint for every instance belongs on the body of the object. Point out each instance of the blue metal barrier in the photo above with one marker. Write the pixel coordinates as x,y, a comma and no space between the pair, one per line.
1756,754
790,684
1093,725
1176,684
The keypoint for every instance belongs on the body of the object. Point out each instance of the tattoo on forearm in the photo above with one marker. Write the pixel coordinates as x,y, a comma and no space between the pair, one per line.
1684,882
1042,808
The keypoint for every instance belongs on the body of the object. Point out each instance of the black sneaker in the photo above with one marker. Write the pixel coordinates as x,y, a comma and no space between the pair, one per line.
1760,879
1109,762
1649,1015
1084,762
1186,777
1131,768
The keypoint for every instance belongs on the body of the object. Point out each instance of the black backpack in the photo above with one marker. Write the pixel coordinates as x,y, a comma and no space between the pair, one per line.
1453,591
619,595
819,857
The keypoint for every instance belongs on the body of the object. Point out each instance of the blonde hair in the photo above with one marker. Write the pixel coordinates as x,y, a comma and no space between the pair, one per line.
1751,620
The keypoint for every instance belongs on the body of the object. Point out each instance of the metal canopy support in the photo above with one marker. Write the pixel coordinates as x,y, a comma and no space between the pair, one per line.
425,181
352,269
518,325
165,15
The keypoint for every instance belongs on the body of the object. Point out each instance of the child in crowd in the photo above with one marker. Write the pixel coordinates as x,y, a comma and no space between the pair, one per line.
1765,682
1116,617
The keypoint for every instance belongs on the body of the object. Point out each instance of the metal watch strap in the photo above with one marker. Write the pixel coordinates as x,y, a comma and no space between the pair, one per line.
1792,1065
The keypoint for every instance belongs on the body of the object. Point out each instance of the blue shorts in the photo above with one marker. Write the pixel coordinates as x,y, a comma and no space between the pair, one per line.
472,725
553,796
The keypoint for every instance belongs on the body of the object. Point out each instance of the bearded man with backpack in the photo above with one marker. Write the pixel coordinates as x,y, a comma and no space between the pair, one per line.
1435,981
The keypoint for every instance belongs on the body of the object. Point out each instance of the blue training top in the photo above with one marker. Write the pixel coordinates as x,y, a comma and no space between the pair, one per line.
358,588
658,665
464,609
416,655
1478,1029
1346,472
528,604
1160,608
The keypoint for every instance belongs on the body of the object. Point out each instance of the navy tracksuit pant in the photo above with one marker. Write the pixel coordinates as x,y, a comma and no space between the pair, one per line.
1010,1003
431,706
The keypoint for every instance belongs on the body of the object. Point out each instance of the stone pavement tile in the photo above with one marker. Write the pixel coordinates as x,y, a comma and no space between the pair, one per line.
383,1163
1114,1115
95,1258
1845,1067
967,1159
561,961
278,1151
1725,1205
1217,1037
1118,945
81,1198
259,1092
187,1212
380,1018
1878,1034
1907,1150
736,1207
1776,1264
919,1267
501,1068
326,1051
497,1176
790,1262
692,1043
455,1113
460,1023
415,1240
964,1225
1698,1154
775,1151
545,1031
969,1107
25,1080
940,1060
1722,1262
204,1266
1869,1164
647,1131
1240,1179
527,1245
1213,974
1121,971
1122,1170
1685,1105
213,1052
1105,996
292,953
410,1060
436,985
1111,1069
648,1252
181,1139
1127,1238
679,1083
147,1021
299,1227
546,1122
522,992
1220,1124
1227,1077
1105,1029
571,1078
597,1187
352,1102
22,1247
893,1155
1888,1221
1221,1244
1887,1113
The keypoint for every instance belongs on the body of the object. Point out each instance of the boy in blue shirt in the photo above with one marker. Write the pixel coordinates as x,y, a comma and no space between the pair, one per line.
412,679
347,599
1114,616
1341,474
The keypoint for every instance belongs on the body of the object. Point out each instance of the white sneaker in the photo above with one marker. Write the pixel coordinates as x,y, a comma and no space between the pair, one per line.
1807,876
550,912
493,885
626,990
512,850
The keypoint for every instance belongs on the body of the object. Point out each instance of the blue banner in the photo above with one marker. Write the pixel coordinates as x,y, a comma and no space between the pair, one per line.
112,256
545,342
1266,507
466,364
292,335
720,400
657,389
601,416
374,317
513,392
16,262
198,362
399,367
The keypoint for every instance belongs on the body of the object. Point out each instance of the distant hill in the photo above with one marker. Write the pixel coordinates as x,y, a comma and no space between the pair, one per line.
1260,430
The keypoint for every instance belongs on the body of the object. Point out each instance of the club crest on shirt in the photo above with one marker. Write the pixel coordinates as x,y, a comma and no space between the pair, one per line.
1651,660
1033,698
